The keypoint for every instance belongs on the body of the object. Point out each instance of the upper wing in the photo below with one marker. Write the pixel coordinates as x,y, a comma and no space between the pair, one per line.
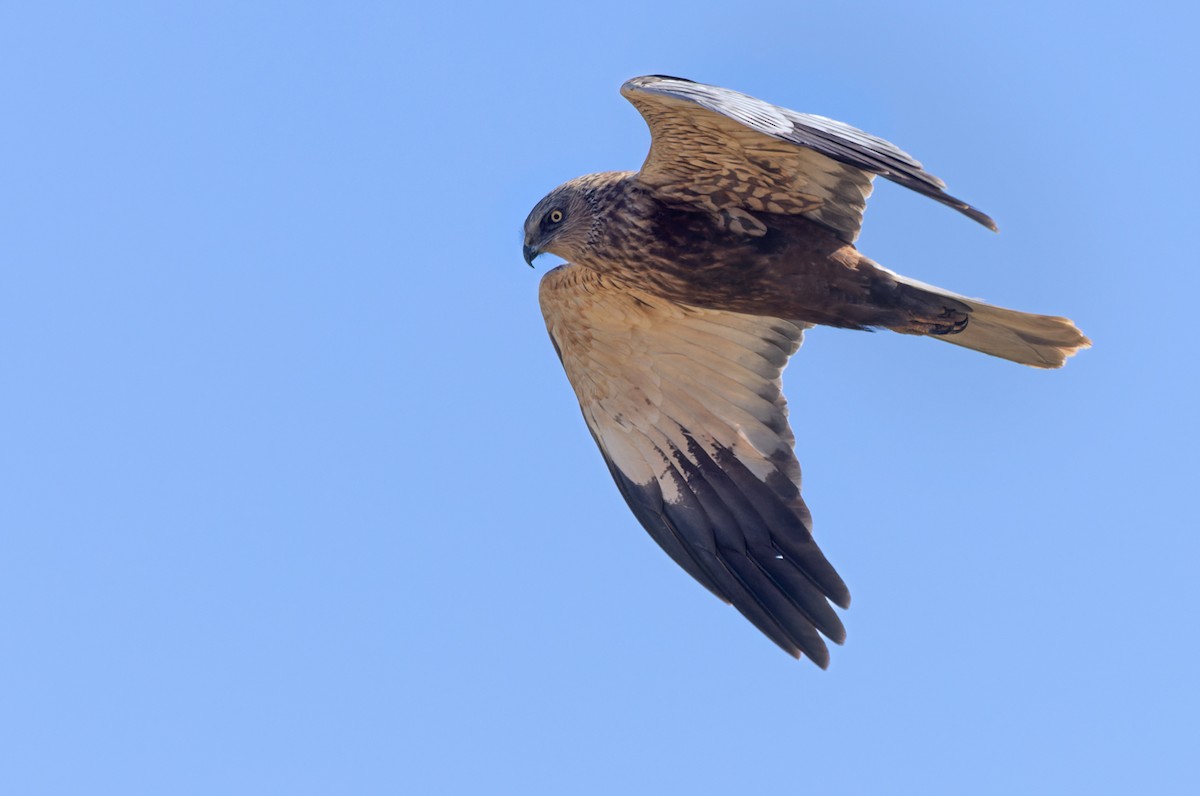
728,152
686,407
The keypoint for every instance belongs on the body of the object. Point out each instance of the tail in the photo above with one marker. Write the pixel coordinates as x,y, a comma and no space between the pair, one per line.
1041,341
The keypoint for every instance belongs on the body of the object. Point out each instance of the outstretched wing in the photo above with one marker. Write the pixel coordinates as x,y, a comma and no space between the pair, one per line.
686,407
730,153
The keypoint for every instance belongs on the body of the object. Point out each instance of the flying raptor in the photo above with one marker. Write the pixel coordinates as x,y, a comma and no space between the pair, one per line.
687,287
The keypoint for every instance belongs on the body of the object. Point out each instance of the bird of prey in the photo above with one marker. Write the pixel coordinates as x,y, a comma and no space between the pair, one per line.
687,287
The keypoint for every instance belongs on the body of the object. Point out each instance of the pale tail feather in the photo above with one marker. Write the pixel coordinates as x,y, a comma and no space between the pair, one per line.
1041,341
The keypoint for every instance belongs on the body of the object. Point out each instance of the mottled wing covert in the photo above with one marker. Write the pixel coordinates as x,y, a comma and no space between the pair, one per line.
735,155
686,407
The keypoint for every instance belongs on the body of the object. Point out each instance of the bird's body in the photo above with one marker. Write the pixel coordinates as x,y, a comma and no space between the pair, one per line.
795,269
688,287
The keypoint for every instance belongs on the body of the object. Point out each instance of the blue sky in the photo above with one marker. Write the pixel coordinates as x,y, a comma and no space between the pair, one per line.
297,499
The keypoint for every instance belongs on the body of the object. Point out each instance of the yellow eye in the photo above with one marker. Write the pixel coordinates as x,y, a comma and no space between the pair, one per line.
555,216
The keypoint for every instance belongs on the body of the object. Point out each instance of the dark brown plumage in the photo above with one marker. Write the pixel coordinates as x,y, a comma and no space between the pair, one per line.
689,285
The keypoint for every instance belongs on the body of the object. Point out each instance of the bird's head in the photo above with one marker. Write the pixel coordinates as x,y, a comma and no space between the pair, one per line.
561,223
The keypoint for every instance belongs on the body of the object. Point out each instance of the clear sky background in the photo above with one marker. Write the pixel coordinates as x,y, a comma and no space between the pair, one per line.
295,498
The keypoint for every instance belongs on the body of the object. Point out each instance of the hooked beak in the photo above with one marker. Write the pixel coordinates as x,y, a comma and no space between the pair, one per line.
530,252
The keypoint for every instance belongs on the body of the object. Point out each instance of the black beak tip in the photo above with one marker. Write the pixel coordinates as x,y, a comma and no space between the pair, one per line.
530,253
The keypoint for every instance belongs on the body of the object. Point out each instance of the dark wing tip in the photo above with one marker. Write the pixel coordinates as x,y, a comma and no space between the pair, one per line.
982,218
967,210
975,215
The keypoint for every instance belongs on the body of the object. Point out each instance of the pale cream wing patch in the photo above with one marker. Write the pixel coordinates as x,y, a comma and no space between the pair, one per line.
687,409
